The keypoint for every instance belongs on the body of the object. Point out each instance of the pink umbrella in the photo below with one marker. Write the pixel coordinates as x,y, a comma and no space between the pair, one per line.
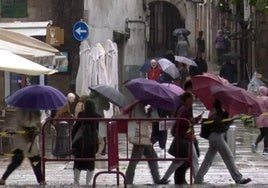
236,100
201,87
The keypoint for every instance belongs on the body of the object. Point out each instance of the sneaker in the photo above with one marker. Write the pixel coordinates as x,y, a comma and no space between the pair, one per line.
243,181
253,148
163,181
2,182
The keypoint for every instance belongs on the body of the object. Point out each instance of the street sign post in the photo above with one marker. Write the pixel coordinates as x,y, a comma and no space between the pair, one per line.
80,30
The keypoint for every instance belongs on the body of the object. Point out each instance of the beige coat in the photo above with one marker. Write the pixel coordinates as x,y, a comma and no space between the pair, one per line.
27,118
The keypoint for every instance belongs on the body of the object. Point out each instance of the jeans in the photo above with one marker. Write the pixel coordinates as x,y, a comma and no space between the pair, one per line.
176,164
217,143
137,152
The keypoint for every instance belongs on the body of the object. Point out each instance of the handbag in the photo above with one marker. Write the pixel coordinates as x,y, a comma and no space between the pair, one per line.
142,134
205,129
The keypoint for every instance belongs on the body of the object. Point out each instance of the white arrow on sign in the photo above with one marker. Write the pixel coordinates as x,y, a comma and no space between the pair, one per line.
79,31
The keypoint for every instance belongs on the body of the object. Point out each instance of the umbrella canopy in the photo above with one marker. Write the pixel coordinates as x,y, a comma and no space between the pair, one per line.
185,60
37,97
111,93
85,67
174,88
262,120
153,93
201,87
236,100
13,63
169,68
17,38
24,51
181,31
229,56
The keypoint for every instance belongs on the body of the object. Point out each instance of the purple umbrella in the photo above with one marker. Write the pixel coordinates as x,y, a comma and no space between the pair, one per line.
154,93
37,97
176,89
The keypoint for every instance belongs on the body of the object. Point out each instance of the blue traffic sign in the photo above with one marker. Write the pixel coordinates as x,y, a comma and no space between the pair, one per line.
80,30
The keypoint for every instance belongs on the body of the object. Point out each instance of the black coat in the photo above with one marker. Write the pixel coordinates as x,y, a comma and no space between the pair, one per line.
86,146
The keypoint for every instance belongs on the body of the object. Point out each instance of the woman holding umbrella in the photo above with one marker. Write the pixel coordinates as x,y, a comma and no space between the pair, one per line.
182,132
217,143
26,143
85,142
30,100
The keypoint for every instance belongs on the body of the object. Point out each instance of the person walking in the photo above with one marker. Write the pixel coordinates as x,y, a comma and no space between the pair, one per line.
220,45
141,146
200,43
79,107
65,111
155,71
229,72
157,134
26,144
217,143
184,73
85,142
201,68
182,131
182,47
262,122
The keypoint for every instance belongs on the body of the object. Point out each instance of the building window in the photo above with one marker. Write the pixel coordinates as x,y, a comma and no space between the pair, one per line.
14,8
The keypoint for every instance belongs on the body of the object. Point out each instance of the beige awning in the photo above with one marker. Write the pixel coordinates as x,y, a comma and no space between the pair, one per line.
27,28
13,63
17,38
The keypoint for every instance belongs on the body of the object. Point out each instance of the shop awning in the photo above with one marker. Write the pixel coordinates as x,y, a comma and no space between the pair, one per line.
13,63
24,40
26,28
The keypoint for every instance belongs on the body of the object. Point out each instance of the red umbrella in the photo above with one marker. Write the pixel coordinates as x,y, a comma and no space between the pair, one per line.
236,100
201,87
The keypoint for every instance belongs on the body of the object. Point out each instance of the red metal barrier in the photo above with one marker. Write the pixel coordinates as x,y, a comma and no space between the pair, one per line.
114,126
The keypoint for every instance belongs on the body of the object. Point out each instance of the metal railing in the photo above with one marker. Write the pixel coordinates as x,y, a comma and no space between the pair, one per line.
114,127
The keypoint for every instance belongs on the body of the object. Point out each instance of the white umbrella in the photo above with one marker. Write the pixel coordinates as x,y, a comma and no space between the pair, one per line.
111,61
185,60
13,63
84,70
102,70
169,68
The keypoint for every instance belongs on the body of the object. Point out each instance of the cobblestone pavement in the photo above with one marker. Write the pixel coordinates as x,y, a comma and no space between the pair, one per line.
60,174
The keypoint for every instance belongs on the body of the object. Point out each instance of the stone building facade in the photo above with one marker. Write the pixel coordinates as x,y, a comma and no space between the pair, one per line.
62,13
141,28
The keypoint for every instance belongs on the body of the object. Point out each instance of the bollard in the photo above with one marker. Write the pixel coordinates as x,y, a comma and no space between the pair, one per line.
61,142
231,138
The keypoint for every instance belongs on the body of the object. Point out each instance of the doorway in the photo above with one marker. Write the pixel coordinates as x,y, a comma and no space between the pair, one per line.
164,18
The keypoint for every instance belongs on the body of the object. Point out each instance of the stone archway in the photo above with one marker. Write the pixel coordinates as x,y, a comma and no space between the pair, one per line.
164,18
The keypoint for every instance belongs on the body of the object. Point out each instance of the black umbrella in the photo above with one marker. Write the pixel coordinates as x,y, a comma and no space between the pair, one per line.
181,31
111,93
229,56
